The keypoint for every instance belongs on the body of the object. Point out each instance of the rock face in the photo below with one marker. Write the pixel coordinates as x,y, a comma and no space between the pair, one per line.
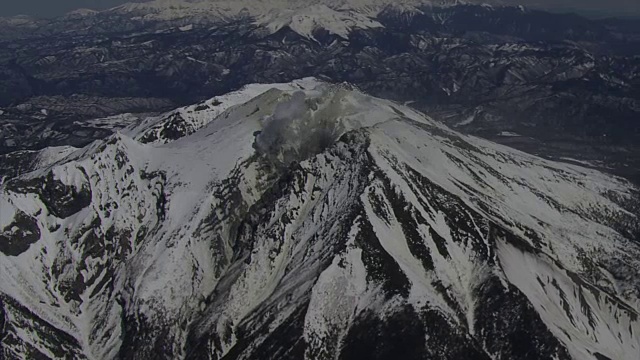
395,237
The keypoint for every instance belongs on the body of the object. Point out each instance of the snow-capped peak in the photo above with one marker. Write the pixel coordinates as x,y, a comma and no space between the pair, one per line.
82,12
338,17
310,218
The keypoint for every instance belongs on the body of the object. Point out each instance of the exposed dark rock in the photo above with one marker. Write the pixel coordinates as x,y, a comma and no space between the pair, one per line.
284,342
402,336
60,199
510,327
381,267
51,339
19,235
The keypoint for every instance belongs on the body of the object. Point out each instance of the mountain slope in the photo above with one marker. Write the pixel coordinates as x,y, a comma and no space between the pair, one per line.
309,220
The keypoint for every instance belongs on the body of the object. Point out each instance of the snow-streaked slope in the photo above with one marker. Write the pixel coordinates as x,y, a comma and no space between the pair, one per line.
309,220
186,120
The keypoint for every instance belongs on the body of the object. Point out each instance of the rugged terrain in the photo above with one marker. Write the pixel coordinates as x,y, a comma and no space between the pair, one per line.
557,85
310,220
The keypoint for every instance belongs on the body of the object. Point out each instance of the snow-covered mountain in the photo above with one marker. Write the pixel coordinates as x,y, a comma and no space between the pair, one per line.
305,17
309,220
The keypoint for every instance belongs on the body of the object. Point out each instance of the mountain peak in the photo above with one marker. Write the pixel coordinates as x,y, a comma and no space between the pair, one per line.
338,17
318,212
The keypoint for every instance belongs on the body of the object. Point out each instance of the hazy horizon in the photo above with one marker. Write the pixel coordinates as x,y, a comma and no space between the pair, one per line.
47,8
591,8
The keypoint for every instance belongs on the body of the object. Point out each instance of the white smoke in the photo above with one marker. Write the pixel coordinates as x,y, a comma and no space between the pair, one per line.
293,133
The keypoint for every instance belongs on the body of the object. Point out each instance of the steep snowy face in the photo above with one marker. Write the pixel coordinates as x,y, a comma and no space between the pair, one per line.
312,221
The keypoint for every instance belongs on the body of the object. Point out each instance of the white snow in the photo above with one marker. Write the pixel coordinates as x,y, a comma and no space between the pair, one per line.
338,17
509,134
305,20
614,328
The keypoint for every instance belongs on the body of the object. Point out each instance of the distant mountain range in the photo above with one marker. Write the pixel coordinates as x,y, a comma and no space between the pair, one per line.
569,86
590,8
